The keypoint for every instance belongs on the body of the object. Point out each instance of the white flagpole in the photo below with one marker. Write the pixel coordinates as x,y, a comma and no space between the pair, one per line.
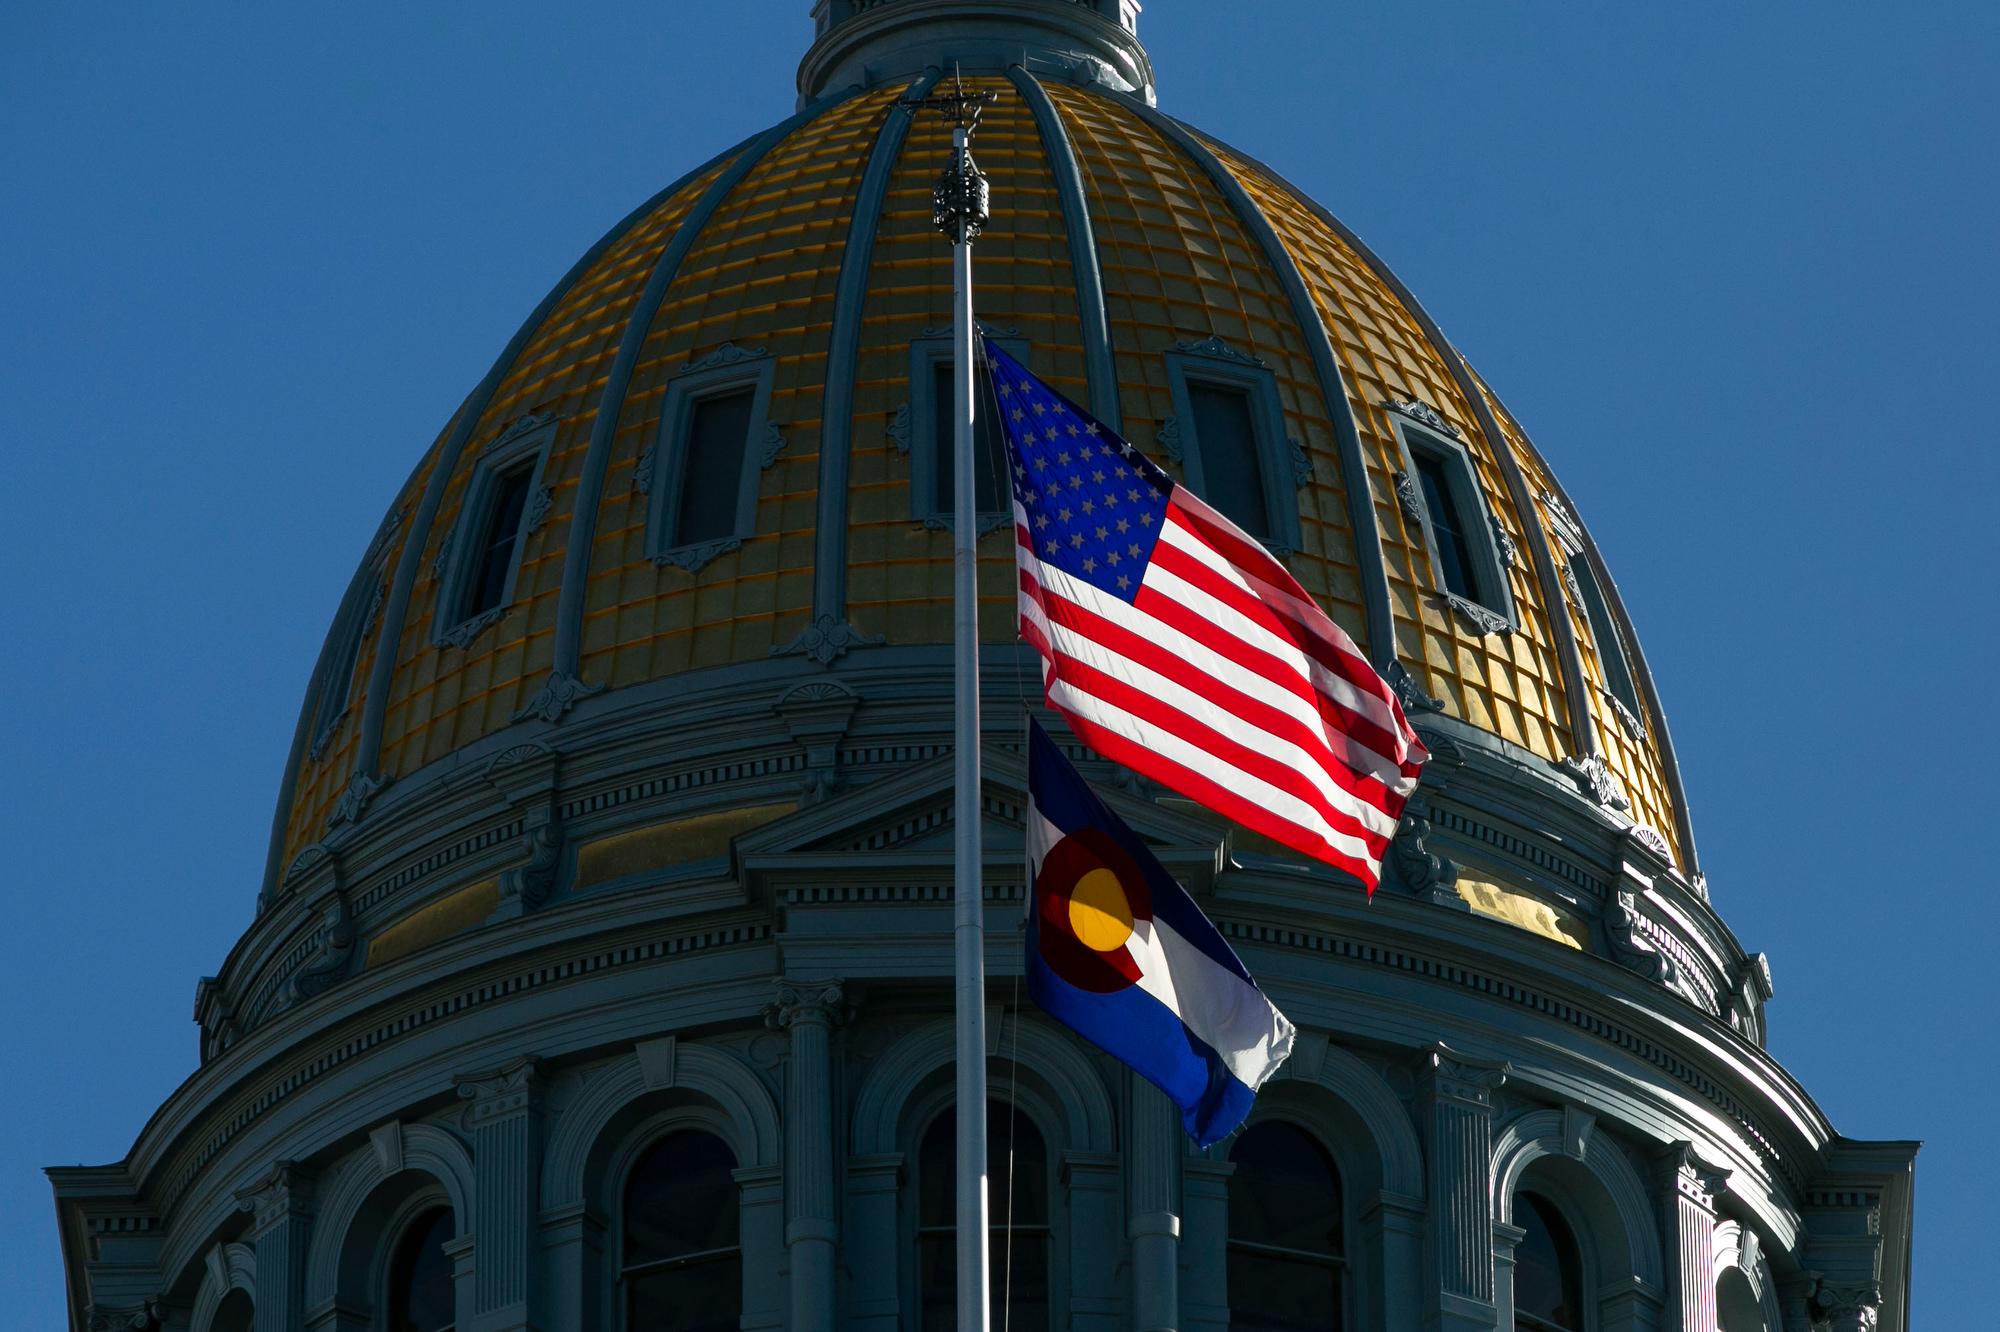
961,211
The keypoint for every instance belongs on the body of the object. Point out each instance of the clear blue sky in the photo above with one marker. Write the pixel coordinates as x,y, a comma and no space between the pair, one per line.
1732,264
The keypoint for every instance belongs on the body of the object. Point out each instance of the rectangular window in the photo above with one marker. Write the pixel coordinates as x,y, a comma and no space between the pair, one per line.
988,456
493,556
712,476
1232,471
1447,529
1610,648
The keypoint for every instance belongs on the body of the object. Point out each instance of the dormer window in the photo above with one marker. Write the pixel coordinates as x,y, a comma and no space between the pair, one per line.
716,437
493,556
1440,496
1610,646
505,501
1228,435
357,613
924,430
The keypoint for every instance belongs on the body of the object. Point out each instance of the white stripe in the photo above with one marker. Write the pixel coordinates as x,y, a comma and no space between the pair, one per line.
1245,1029
1279,749
1334,686
1279,803
1358,755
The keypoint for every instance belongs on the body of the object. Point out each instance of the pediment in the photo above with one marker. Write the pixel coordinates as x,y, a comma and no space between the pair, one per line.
911,815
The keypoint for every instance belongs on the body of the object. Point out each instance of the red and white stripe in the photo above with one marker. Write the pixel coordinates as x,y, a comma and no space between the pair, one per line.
1224,681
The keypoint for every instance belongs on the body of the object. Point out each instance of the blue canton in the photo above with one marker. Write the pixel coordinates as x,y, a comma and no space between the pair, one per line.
1094,502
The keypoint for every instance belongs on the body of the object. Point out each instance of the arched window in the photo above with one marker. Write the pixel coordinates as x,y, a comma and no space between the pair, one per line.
421,1294
234,1314
1736,1304
682,1269
1286,1246
1548,1274
1018,1255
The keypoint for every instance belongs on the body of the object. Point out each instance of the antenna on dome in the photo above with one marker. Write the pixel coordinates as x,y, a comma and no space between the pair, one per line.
960,210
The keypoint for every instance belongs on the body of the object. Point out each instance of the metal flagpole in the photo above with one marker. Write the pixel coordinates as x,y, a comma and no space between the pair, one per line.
960,210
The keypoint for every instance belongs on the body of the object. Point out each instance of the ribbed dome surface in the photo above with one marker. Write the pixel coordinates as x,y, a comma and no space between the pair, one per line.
1118,237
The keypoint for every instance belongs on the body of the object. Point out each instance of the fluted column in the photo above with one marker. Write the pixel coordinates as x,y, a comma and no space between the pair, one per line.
1458,1120
1155,1224
505,1123
808,1011
1689,1187
281,1210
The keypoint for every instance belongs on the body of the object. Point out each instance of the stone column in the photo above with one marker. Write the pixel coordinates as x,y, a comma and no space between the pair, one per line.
1458,1123
1688,1187
809,1010
281,1210
1205,1250
1096,1304
1154,1227
505,1123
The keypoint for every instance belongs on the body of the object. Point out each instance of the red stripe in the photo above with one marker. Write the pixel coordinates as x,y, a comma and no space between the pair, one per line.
1278,619
1219,798
1226,751
1086,623
1352,728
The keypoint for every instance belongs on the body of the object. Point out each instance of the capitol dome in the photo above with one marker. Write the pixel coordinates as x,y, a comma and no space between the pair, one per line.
614,839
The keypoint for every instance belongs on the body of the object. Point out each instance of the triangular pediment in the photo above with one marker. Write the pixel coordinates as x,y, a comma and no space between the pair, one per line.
911,815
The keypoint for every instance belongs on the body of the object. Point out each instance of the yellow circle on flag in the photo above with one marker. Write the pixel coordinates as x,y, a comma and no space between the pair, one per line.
1099,912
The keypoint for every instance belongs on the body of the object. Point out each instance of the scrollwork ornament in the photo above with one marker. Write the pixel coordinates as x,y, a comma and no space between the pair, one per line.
1408,692
825,639
1593,776
821,1001
1424,415
1215,349
1850,1306
727,354
1408,501
531,883
1503,541
362,788
642,472
1168,437
1423,872
1629,948
558,694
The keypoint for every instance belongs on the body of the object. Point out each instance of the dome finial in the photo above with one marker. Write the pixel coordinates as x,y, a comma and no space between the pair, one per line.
867,42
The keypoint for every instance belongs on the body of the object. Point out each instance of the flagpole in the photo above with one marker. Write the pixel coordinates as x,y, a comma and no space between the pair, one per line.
960,210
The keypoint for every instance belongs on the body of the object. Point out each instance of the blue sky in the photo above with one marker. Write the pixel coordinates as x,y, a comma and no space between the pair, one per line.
1732,265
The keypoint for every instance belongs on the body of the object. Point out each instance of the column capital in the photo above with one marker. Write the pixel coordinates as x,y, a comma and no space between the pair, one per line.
822,1003
1849,1306
1451,1076
284,1193
505,1090
1695,1178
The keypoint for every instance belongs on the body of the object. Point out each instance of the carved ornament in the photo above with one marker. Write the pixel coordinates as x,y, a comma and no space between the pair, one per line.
1217,350
822,1001
1408,500
558,694
1408,692
1481,618
697,557
1456,1077
505,1090
353,803
1302,466
1593,776
825,639
1426,875
1629,948
1503,541
899,428
328,963
642,473
1168,438
727,354
531,882
1424,415
539,505
525,425
461,635
285,1191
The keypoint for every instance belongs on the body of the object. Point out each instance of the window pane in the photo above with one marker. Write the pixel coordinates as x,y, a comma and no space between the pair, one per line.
698,1297
1610,647
712,477
681,1200
1232,464
1447,529
494,556
988,456
1547,1273
420,1296
1285,1190
1272,1293
1028,1254
235,1314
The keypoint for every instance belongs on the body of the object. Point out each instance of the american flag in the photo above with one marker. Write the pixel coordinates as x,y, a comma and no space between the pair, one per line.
1175,644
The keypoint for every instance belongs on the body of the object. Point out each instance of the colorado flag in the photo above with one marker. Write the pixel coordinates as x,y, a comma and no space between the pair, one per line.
1118,952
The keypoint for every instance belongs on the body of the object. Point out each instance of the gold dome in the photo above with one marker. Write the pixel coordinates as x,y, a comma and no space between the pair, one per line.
1120,239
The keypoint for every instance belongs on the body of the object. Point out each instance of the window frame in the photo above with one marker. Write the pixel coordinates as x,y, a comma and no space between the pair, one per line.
360,606
1588,1295
523,445
1282,462
1421,431
916,423
617,1179
400,1223
1054,1232
1345,1261
1576,567
662,471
